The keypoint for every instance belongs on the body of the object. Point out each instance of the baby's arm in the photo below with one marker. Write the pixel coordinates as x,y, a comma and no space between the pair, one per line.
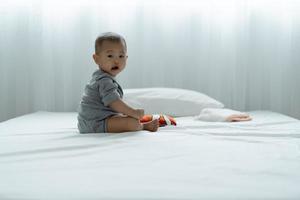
111,98
120,106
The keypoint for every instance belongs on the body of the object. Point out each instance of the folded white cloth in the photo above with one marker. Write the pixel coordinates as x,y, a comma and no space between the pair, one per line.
217,114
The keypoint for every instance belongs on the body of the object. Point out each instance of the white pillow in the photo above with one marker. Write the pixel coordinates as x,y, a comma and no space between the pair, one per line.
170,101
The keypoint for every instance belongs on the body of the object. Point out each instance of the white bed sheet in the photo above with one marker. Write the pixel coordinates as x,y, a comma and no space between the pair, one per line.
42,156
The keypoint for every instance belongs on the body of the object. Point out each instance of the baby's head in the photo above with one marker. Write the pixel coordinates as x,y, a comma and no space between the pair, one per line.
110,53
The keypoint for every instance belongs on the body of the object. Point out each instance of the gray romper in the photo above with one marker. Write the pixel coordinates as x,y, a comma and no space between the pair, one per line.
93,109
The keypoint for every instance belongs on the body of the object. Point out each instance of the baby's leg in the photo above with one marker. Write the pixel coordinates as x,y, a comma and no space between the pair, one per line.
121,123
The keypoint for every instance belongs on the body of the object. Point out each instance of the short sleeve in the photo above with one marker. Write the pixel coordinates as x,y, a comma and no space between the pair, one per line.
108,91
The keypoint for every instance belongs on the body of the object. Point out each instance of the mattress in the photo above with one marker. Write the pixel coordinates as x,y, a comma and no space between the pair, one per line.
42,156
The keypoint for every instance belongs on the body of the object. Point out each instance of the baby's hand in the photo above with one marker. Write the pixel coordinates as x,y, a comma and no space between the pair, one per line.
139,113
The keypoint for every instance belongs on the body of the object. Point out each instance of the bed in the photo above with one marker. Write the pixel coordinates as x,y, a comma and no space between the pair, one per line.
42,156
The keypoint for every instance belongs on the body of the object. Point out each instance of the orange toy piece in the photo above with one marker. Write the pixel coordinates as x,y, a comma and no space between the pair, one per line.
163,120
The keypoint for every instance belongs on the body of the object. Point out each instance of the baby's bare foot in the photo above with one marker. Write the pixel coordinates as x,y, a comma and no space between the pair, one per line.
151,126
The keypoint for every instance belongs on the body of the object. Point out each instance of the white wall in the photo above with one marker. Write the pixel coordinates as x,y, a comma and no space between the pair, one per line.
243,53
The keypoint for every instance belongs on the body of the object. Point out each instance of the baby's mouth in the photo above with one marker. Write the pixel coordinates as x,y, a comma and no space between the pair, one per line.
115,68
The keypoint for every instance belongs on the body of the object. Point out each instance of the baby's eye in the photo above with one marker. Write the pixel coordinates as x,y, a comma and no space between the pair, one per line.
121,56
110,56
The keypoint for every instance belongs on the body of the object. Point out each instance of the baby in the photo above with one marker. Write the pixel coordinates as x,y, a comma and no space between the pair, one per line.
101,108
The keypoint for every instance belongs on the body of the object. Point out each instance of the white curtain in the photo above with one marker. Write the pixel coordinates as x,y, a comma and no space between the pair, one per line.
244,53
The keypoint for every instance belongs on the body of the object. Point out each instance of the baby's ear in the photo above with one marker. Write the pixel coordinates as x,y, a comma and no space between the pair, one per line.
96,58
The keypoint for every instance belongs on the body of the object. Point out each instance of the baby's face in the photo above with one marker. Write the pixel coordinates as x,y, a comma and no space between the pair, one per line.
112,57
